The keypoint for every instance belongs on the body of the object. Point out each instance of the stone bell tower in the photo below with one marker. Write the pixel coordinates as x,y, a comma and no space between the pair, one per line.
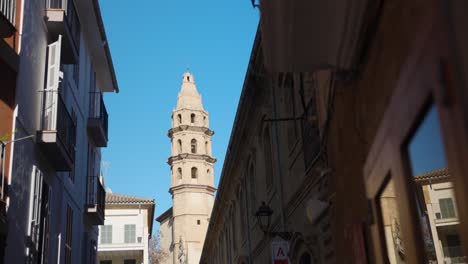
192,177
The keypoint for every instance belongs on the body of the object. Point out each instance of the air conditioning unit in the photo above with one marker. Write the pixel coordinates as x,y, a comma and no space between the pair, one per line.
438,215
139,239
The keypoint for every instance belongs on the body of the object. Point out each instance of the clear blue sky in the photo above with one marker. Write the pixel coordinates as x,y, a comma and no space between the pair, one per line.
152,42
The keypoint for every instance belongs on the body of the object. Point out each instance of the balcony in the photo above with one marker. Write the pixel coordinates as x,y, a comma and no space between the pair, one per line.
58,135
95,200
454,255
98,120
7,17
61,19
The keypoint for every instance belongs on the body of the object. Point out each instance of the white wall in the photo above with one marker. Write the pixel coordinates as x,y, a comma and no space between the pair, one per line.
118,218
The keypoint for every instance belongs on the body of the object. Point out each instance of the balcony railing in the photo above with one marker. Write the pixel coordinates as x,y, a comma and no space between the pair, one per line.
95,200
8,10
98,120
56,117
58,131
455,254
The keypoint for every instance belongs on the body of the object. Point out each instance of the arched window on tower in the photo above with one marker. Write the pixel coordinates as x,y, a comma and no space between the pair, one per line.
179,119
179,146
179,173
206,148
204,121
192,118
193,146
194,173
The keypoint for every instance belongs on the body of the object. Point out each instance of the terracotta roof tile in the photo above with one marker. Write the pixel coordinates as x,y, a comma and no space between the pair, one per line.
441,173
115,198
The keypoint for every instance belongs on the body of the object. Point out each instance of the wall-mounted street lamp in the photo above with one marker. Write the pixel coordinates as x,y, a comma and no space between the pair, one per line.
263,215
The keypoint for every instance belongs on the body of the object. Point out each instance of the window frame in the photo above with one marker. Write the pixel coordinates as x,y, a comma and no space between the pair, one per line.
107,232
128,239
417,89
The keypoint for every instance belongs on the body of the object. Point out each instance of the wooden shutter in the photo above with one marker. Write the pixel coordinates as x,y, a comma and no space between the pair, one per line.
52,84
34,212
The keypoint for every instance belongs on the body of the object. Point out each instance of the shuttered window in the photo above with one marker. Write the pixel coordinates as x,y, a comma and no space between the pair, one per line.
130,233
447,208
106,234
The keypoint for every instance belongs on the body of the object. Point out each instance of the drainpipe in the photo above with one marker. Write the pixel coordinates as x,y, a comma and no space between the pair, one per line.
279,166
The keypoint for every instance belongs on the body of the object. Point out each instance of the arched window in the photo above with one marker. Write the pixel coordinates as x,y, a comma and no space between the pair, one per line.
305,258
251,177
179,146
194,173
192,118
179,118
268,160
179,173
204,121
206,148
193,146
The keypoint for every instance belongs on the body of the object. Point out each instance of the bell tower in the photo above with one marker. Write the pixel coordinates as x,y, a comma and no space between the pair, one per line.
192,177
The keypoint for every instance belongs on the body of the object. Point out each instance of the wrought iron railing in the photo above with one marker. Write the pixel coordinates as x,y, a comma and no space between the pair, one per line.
98,110
55,117
96,195
8,9
71,17
455,254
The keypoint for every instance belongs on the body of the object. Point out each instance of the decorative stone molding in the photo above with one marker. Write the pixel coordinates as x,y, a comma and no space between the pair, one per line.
181,128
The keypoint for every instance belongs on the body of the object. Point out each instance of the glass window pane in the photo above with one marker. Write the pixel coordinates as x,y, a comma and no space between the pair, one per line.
434,193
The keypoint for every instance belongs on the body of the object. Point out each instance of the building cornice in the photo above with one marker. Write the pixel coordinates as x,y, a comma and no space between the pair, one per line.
183,156
181,128
191,187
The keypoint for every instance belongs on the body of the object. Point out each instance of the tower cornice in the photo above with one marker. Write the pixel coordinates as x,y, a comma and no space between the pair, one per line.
192,187
181,128
190,156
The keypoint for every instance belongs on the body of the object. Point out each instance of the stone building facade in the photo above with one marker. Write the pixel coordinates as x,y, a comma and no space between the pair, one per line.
332,128
183,227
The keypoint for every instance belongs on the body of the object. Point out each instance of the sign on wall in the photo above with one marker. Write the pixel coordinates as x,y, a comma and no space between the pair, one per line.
280,252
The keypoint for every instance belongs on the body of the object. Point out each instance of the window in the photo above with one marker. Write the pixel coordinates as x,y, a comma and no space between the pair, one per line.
105,262
198,222
268,161
179,119
179,173
130,261
179,146
447,208
206,148
251,176
69,236
204,121
106,234
130,235
290,105
192,118
194,173
193,145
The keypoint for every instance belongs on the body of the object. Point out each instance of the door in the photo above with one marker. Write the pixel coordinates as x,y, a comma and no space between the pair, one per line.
416,172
